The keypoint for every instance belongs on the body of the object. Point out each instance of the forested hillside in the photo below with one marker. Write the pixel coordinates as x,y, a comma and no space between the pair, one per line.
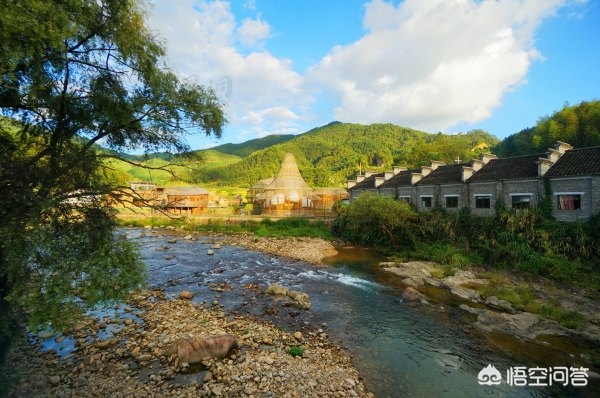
329,155
578,125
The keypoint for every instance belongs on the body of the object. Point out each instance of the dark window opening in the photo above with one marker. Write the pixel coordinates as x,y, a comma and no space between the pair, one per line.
451,202
482,202
426,201
520,201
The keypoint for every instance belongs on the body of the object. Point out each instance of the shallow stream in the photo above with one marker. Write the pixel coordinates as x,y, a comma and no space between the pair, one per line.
400,350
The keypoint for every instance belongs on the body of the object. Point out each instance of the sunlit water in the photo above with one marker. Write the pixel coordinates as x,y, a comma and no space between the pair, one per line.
401,351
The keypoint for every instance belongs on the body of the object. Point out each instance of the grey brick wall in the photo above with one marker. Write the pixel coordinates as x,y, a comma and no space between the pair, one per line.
589,189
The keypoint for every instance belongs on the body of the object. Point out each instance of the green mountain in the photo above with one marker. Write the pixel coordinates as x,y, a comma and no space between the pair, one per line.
246,148
329,155
577,125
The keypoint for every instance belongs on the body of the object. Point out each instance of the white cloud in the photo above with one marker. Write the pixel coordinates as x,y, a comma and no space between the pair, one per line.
430,64
253,32
263,94
426,64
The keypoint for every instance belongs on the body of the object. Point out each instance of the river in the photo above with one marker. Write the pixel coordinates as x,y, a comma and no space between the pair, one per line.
400,350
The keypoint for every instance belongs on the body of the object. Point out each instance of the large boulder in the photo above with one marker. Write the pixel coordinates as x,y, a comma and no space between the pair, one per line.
195,349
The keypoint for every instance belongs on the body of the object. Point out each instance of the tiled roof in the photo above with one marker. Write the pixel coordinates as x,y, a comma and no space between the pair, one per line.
447,174
367,183
513,168
403,178
584,161
186,191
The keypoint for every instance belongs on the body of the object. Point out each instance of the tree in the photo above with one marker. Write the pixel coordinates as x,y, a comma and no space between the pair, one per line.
74,74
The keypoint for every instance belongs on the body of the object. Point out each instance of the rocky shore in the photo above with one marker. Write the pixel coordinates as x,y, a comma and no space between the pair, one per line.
137,360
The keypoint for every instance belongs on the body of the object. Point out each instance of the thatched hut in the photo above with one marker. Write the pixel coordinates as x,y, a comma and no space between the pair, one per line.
287,193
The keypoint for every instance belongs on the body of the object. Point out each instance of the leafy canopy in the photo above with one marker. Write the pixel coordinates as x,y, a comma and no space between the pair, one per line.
73,74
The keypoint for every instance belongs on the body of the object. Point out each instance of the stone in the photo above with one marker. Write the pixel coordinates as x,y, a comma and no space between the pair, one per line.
276,289
54,380
194,349
210,252
301,299
208,376
45,334
298,335
499,304
412,295
186,295
465,293
217,390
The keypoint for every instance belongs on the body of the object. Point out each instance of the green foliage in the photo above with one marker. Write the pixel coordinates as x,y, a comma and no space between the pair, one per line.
578,125
522,240
377,221
90,73
296,351
569,319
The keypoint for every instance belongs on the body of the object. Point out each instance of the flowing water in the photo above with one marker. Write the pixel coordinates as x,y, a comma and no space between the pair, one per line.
400,350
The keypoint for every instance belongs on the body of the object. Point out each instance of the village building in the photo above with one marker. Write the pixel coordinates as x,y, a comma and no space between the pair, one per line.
575,184
185,200
368,182
518,182
326,198
515,181
287,194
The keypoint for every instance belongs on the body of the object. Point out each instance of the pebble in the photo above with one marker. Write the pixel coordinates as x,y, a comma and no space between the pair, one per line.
136,362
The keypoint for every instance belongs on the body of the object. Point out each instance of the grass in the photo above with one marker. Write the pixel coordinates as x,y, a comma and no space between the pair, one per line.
296,351
523,298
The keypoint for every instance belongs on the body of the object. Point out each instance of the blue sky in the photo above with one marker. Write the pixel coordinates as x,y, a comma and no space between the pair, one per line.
287,66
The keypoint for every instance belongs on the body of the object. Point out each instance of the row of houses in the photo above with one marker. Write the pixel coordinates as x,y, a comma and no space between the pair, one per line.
572,176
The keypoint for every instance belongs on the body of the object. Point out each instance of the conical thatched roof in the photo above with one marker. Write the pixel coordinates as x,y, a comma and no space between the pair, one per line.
289,176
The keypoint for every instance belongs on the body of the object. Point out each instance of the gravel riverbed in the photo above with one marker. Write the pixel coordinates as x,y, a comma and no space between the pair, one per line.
133,360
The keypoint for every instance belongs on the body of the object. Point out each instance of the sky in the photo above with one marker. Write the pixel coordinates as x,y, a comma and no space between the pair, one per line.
287,66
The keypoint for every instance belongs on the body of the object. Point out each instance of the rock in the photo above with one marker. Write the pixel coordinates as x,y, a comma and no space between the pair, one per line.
217,390
208,376
277,290
188,237
298,335
216,246
194,349
411,294
45,334
210,252
186,295
499,304
302,299
54,380
465,293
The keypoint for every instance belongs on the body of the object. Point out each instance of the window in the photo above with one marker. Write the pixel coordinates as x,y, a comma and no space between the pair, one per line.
568,202
404,199
426,201
483,201
451,202
520,201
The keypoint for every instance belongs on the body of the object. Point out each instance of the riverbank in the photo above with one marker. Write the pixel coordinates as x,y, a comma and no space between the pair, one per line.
127,356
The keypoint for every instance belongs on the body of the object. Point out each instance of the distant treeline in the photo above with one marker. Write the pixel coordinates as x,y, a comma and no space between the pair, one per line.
578,125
